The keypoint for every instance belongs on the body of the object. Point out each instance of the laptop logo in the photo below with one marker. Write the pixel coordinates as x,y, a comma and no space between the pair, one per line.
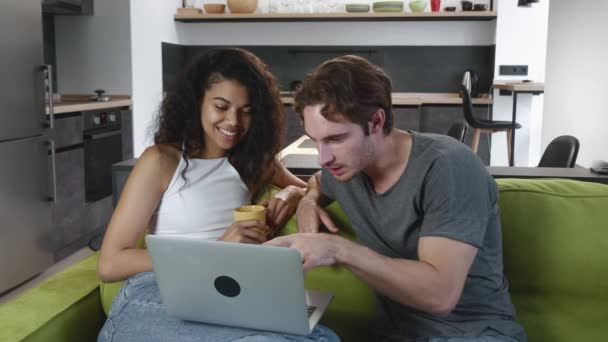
227,286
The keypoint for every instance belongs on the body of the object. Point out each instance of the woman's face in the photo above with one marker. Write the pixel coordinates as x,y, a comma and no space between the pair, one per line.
225,117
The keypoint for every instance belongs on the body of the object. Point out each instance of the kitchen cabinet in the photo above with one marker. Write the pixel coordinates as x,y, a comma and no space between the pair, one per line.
75,221
407,117
68,130
68,206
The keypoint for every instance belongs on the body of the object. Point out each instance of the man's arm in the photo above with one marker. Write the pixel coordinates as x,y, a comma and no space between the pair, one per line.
432,284
310,211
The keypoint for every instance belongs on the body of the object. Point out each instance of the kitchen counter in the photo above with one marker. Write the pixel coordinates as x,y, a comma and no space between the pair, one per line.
416,99
80,103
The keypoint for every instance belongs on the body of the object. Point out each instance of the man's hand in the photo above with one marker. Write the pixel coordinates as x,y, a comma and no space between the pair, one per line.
310,216
315,249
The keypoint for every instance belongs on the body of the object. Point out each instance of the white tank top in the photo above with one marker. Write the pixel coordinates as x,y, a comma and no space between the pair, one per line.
203,208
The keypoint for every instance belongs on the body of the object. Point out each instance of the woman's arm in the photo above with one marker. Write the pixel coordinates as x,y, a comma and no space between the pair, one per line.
283,177
119,259
282,205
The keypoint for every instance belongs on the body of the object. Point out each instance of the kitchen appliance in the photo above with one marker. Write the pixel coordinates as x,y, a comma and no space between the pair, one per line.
469,81
25,217
102,147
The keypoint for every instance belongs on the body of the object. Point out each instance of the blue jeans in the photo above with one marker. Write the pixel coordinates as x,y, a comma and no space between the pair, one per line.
137,314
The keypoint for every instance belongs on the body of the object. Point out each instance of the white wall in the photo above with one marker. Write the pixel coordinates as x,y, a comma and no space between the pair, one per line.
94,52
521,36
576,87
338,33
151,23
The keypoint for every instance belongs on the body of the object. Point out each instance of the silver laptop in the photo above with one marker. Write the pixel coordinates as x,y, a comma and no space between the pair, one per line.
234,284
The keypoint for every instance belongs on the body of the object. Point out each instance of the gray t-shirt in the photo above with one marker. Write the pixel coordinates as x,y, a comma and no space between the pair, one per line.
444,191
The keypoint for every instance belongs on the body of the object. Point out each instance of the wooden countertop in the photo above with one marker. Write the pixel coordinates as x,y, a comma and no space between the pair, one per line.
416,99
80,103
520,86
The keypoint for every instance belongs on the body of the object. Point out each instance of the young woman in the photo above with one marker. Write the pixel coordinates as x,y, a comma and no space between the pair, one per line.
219,130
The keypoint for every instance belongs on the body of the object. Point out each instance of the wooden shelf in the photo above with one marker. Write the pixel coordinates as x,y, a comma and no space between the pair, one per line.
387,16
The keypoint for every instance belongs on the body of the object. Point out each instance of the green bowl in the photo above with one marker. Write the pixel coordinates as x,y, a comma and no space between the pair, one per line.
388,6
357,8
417,5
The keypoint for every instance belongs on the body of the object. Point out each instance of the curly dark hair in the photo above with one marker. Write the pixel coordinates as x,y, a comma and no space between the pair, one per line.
349,86
179,121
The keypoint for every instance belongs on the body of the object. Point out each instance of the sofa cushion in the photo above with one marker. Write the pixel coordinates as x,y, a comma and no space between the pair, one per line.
54,309
555,237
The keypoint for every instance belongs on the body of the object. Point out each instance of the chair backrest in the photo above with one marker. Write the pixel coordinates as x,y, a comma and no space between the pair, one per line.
467,107
458,131
561,152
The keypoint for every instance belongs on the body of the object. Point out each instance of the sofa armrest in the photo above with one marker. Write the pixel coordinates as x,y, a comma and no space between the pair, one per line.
65,307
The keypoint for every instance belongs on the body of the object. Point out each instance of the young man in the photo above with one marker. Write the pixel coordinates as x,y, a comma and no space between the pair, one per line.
423,207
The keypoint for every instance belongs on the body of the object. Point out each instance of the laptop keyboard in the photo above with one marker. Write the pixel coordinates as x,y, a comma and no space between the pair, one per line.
311,309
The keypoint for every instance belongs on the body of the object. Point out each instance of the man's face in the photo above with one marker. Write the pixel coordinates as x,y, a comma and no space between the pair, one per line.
343,147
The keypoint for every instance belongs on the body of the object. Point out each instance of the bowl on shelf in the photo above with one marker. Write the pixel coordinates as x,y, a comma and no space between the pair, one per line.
417,6
242,6
214,8
388,6
357,8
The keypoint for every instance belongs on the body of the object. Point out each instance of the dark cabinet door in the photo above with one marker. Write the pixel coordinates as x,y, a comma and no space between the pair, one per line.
21,84
68,130
126,117
68,208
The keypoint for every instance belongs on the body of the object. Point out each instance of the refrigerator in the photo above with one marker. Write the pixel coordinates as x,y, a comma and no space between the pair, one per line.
25,216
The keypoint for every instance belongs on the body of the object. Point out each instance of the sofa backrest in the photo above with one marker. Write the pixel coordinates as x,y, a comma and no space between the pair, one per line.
555,238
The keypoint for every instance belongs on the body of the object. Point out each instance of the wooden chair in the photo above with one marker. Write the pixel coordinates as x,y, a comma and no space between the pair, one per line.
482,125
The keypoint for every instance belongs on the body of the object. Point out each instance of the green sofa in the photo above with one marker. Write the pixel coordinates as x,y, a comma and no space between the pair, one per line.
555,253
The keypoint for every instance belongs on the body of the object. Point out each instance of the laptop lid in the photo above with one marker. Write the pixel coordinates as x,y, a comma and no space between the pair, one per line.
242,285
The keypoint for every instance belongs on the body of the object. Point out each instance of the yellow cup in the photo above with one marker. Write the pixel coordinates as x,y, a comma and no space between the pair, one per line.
252,212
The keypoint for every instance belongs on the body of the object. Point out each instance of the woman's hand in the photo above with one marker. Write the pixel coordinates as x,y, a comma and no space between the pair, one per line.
248,231
282,205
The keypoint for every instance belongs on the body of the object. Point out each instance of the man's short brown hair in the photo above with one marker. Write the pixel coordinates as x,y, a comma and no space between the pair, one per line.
348,86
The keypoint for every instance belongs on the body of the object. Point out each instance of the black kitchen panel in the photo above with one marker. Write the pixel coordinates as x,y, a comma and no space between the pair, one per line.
431,69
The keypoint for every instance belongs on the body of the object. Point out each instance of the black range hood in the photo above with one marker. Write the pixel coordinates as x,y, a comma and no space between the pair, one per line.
67,7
